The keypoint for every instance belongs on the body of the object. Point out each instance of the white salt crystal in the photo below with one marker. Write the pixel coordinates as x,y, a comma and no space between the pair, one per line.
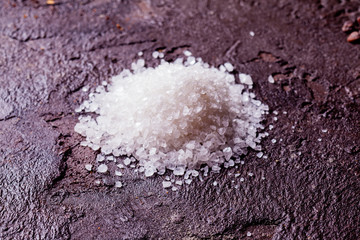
275,112
187,53
271,79
179,171
252,33
174,189
120,165
102,168
97,182
161,55
118,173
118,184
188,181
140,54
166,184
242,179
127,161
271,127
248,234
259,154
179,182
88,167
155,54
100,158
215,183
237,174
229,66
273,140
319,139
324,130
246,79
250,174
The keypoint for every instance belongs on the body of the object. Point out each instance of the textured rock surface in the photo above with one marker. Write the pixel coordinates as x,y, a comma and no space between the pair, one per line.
308,188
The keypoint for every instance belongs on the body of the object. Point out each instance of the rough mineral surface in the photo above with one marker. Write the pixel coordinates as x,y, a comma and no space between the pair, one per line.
176,116
305,189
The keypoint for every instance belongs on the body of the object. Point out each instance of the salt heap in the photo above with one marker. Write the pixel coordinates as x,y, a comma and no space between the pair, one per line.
176,116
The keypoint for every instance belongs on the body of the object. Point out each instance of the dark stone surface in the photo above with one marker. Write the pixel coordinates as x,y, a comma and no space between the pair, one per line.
306,189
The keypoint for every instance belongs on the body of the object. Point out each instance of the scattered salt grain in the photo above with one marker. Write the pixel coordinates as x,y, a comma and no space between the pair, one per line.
88,167
242,179
273,140
275,112
174,189
102,168
271,127
187,53
120,165
161,55
271,79
179,182
259,154
118,184
166,184
252,33
229,66
237,174
275,118
248,234
215,183
284,112
188,181
324,130
118,173
155,54
319,139
100,158
97,182
245,79
250,174
127,161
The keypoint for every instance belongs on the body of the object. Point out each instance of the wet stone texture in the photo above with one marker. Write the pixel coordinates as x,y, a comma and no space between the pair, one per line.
307,188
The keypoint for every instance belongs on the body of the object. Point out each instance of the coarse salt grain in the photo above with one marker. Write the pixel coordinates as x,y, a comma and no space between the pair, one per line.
88,167
102,168
271,79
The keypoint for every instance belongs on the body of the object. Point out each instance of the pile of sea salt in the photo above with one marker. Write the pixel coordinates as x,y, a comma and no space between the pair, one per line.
181,116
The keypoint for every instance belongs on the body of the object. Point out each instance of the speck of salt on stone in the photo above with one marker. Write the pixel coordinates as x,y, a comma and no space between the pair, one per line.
161,55
248,234
229,66
179,182
259,154
242,162
118,184
319,139
273,140
188,181
102,168
242,179
88,167
120,165
271,127
174,189
324,130
187,53
127,161
275,118
250,174
166,184
215,183
104,83
155,54
97,182
140,54
252,33
271,79
284,112
118,173
275,112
